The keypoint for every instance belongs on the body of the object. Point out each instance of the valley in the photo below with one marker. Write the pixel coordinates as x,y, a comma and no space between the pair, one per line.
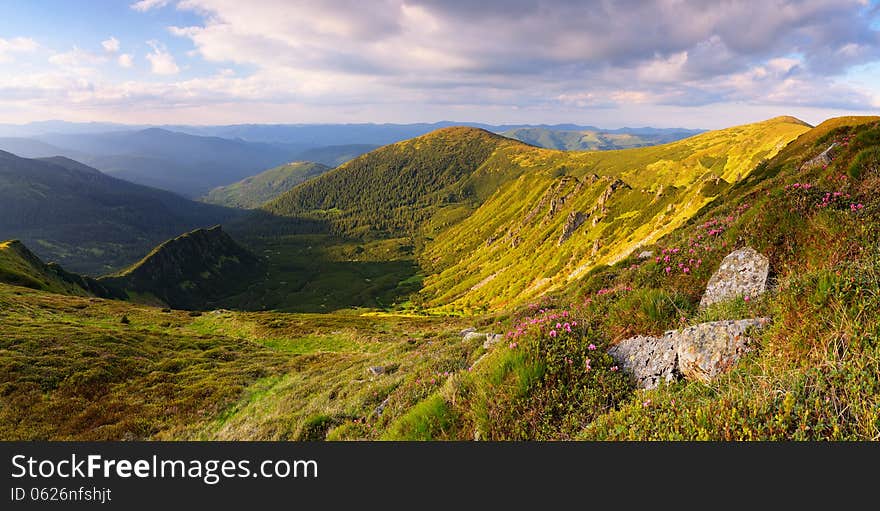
364,301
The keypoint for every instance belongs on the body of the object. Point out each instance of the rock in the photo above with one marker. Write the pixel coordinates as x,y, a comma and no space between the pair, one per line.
376,370
649,360
742,273
382,405
647,254
708,349
823,159
491,340
574,220
471,336
700,352
467,331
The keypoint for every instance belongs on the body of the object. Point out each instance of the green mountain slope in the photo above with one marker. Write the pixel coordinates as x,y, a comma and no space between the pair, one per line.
254,191
592,140
476,209
812,374
20,267
394,190
189,271
574,211
87,221
335,155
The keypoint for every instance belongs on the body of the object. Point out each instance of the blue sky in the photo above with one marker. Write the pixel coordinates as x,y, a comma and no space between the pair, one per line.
690,63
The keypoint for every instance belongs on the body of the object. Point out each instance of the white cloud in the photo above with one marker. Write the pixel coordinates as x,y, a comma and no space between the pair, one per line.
146,5
111,45
8,47
76,58
161,62
125,60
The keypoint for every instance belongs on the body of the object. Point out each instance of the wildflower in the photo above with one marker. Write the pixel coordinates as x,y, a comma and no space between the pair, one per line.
513,345
667,269
614,369
552,333
574,323
591,347
587,365
433,381
646,403
747,298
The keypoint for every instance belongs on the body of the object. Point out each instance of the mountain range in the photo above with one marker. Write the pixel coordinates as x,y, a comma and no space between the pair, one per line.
470,286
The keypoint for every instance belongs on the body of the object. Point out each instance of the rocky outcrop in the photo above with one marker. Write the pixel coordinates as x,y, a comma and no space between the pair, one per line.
600,210
742,273
650,360
823,159
575,219
708,349
489,339
700,352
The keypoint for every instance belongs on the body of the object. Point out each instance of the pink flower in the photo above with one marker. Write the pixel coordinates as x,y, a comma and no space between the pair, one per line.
591,347
614,369
747,298
574,323
513,345
552,333
667,269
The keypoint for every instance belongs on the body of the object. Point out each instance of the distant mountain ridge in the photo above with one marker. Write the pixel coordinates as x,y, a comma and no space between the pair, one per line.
87,221
254,191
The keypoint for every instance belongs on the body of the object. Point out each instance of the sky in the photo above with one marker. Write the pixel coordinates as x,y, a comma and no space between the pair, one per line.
663,63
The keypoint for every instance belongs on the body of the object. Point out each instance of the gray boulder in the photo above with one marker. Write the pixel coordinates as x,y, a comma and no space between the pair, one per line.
709,349
823,159
649,360
700,352
491,340
742,273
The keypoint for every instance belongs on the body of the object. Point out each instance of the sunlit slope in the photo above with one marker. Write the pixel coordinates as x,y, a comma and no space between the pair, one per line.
567,212
396,190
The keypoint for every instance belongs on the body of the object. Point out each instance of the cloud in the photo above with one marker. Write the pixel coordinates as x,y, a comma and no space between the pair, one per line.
9,47
567,59
161,62
111,45
661,50
77,58
146,5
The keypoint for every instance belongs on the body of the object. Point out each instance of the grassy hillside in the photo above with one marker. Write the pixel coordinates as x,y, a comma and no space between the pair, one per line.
392,191
20,267
87,221
254,191
813,374
470,211
335,155
112,369
592,140
574,211
190,271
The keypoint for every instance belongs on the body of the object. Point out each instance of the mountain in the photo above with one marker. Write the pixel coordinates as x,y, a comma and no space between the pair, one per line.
185,164
476,209
189,271
804,198
254,191
87,221
335,155
596,140
20,267
393,190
